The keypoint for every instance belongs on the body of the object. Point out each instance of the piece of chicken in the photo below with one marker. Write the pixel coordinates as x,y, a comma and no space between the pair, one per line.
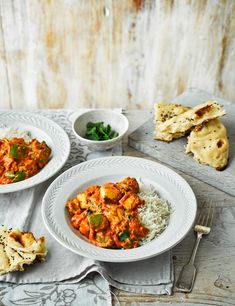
82,199
77,219
93,192
129,184
84,227
103,240
110,193
114,213
73,207
130,201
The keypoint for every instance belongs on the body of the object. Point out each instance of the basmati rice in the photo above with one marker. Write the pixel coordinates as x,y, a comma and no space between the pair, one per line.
154,214
9,132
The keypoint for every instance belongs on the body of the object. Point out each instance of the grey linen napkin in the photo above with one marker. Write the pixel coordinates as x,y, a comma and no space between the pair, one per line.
22,210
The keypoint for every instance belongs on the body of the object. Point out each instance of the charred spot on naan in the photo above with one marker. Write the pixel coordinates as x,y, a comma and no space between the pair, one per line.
201,112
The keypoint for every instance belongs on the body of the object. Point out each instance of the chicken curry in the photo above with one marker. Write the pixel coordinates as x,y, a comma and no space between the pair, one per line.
108,215
20,160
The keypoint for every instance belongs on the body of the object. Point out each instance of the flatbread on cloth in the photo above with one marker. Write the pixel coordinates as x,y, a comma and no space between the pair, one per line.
18,249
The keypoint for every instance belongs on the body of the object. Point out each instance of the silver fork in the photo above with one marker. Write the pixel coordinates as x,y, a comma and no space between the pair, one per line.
203,227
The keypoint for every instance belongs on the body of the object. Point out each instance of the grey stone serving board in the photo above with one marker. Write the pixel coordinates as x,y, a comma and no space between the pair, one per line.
173,153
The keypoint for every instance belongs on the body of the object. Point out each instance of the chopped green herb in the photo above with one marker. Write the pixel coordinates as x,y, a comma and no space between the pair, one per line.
124,235
13,151
19,176
98,131
17,151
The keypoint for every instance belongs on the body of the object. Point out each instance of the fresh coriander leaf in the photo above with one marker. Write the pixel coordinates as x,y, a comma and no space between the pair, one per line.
101,130
93,136
91,131
106,137
89,125
13,151
108,129
19,176
124,235
98,131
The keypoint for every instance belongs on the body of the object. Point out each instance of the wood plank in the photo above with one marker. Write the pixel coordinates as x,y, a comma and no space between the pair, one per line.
19,53
5,100
125,53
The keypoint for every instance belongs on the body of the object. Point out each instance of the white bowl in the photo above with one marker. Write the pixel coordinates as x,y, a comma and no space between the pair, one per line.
117,121
170,185
40,128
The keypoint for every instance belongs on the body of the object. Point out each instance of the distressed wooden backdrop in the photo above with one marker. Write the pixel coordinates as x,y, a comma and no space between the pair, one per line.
101,53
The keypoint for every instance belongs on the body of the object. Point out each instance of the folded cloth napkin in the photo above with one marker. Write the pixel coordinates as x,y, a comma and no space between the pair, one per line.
22,210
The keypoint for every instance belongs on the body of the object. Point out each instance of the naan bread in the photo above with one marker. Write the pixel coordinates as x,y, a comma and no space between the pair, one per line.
18,249
209,144
164,112
208,141
179,125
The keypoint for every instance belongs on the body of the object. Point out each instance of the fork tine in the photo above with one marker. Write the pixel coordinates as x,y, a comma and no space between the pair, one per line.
201,214
205,216
209,211
211,216
201,218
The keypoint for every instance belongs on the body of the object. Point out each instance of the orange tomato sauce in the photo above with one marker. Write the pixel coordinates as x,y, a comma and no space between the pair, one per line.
20,160
108,215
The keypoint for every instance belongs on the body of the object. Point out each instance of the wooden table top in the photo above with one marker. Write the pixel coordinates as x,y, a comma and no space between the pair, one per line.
215,260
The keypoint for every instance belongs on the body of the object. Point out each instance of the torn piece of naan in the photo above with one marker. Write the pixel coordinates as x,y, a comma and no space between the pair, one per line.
209,144
179,125
18,249
165,111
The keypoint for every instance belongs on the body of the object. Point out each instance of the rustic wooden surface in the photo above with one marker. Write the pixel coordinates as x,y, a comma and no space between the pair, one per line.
113,53
215,281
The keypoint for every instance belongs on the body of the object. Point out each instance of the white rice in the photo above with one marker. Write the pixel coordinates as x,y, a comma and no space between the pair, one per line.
9,132
154,214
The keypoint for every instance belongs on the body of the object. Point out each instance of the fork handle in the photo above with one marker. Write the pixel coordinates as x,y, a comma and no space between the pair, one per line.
187,275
